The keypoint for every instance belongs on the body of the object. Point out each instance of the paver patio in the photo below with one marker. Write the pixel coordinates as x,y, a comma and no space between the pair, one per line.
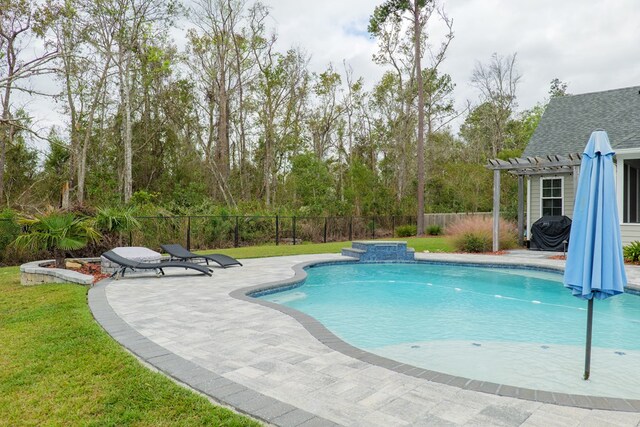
265,363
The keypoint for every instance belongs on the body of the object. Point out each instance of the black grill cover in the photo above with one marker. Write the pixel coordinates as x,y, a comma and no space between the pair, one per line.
548,233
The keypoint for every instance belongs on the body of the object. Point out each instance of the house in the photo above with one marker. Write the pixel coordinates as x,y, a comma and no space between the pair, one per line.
550,163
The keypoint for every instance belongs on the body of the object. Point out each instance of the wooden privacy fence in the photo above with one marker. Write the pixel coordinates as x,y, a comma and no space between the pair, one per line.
446,219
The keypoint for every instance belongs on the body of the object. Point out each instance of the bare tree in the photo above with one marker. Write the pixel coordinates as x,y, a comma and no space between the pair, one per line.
132,21
281,90
497,82
221,57
326,116
18,26
85,40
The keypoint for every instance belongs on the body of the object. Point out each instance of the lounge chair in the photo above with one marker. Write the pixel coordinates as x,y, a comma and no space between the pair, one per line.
177,252
125,263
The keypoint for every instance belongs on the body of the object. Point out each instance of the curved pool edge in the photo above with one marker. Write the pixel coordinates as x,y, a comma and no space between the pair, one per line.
326,337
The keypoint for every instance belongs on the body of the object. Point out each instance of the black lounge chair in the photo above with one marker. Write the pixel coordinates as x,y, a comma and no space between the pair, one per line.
178,252
125,263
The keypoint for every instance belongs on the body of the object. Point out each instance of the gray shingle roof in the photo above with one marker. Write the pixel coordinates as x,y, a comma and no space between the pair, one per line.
568,121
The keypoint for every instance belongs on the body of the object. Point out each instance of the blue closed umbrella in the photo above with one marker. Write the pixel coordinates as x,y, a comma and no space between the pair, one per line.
595,265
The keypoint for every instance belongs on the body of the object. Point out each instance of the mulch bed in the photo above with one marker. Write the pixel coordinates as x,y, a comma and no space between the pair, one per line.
93,269
89,268
482,253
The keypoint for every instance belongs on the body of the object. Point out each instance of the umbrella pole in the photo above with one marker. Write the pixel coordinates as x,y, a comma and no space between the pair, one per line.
587,357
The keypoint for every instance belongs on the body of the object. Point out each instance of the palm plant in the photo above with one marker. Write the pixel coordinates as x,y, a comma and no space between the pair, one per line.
56,232
114,221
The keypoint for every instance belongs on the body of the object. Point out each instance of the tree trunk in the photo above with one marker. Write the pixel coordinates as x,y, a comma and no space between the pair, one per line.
6,131
267,168
64,197
242,138
82,160
126,124
82,172
59,258
3,155
74,136
222,148
420,147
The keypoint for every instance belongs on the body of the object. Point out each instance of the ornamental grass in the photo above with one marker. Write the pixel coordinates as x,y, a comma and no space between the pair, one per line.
475,234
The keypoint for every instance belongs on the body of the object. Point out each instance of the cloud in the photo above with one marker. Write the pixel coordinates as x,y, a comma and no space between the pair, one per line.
590,45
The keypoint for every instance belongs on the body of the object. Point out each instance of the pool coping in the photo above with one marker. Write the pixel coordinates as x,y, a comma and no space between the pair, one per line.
326,337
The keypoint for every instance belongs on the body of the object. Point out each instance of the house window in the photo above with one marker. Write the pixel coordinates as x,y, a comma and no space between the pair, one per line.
552,197
631,201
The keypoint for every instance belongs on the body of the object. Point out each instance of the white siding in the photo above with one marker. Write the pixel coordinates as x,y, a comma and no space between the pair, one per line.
568,195
629,233
535,199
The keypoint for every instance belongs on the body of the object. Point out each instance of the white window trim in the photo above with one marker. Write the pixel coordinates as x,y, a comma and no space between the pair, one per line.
546,178
529,207
621,157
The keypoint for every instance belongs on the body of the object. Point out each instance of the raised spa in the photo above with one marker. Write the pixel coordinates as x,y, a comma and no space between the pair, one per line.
510,326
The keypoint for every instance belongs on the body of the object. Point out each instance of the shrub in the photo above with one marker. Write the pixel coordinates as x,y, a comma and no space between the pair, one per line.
214,232
434,230
116,220
9,230
406,231
57,232
632,251
112,223
475,234
474,243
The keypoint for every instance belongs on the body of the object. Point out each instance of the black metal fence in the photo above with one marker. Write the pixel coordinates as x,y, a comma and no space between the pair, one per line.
209,232
204,231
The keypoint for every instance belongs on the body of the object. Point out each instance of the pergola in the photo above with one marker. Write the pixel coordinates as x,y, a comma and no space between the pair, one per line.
547,165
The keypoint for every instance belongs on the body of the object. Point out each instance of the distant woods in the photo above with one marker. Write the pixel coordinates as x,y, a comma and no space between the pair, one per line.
231,121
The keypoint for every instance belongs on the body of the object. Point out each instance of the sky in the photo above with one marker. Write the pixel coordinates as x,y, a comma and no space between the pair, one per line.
591,45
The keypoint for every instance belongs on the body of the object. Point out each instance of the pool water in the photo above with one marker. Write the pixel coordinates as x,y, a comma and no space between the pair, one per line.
509,326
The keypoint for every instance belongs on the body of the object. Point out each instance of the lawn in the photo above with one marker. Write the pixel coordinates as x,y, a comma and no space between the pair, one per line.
420,244
58,367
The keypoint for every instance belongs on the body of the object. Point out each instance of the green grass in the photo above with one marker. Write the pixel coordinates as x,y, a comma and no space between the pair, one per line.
58,367
420,244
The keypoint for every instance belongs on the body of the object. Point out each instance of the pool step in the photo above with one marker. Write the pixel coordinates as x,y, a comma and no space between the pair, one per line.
352,252
377,250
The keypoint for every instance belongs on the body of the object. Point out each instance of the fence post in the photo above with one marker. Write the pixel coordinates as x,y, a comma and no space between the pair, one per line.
235,234
373,227
350,228
277,230
325,230
130,238
294,230
188,233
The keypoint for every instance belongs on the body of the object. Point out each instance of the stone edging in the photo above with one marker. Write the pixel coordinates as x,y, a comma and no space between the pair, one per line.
322,334
32,273
220,389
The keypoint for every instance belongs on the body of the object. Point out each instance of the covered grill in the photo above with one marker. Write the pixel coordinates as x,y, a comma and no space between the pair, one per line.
549,233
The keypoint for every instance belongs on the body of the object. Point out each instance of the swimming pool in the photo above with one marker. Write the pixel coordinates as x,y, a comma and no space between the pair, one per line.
510,326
